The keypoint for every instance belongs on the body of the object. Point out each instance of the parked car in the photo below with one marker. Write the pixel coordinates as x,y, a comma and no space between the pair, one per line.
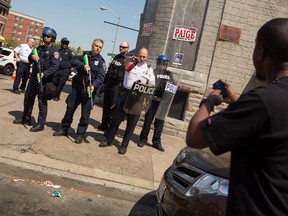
7,61
196,184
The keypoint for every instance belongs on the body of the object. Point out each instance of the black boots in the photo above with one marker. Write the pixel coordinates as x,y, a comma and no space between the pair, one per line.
62,132
79,139
20,121
122,150
37,128
158,147
104,144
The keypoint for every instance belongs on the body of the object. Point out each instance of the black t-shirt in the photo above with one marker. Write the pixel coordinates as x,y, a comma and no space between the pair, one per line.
255,130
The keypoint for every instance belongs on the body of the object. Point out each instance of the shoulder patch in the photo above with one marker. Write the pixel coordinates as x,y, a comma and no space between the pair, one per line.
56,55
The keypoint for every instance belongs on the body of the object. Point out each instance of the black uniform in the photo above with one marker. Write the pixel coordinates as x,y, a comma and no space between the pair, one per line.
79,95
22,72
161,80
113,82
49,62
63,73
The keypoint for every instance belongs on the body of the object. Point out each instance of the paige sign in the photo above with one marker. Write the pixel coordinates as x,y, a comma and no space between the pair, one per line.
147,29
185,34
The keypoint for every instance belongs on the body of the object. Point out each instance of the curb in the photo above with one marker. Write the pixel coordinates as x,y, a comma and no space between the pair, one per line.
68,179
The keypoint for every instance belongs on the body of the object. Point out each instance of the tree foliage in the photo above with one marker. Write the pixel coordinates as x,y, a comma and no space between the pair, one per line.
10,44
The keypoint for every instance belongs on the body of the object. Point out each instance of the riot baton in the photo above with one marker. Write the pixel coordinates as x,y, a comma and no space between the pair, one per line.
39,78
89,88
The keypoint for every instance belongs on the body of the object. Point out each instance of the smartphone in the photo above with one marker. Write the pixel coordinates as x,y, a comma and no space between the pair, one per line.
221,86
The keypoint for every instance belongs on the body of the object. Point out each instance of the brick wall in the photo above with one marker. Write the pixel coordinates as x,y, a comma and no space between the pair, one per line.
231,61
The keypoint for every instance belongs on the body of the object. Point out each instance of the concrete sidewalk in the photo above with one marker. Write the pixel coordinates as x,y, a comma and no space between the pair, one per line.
137,172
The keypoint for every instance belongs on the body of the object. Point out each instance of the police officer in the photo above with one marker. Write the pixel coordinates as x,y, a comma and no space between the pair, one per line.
113,82
142,73
162,76
63,73
80,85
49,60
21,54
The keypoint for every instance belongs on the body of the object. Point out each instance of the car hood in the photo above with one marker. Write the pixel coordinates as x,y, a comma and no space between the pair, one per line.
204,160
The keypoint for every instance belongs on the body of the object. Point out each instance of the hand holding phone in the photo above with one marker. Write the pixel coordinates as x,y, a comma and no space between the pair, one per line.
221,86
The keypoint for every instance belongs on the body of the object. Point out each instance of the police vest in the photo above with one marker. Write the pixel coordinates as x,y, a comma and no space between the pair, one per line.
116,69
161,81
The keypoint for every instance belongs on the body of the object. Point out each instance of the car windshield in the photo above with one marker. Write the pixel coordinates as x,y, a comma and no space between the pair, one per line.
5,52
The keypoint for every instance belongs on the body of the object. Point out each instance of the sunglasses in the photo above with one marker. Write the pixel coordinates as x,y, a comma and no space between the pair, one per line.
122,47
46,36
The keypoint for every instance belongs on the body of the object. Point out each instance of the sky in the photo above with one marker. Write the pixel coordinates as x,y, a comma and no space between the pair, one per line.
83,21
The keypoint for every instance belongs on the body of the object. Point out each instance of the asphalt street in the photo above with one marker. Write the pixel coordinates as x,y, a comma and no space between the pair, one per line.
22,196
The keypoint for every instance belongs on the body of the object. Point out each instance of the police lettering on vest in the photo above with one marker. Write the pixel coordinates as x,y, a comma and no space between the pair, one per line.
143,89
163,76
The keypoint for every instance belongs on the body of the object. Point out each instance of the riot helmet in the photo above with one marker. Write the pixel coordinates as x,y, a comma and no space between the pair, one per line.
162,60
49,32
65,40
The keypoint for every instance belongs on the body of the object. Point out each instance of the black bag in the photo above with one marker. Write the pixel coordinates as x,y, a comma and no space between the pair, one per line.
49,91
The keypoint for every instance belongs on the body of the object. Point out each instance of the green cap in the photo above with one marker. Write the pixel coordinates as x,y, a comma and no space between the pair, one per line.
34,51
85,59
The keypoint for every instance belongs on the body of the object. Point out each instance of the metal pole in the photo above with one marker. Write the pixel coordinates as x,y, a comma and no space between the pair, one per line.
132,29
115,39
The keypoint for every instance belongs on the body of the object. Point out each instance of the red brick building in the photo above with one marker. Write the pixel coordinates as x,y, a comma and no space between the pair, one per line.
20,26
4,10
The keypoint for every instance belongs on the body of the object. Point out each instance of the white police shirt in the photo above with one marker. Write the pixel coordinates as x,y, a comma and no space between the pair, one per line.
141,72
23,51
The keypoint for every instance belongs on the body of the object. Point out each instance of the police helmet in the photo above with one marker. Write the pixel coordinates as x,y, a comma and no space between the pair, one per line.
65,40
162,60
50,32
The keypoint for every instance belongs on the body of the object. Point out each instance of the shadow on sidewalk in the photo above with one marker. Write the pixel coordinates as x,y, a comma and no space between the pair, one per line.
18,114
146,206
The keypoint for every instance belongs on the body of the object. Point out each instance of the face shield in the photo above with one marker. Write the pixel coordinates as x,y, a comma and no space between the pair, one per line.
162,64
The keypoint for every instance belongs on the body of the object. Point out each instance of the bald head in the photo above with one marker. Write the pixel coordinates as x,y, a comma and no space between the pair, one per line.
125,44
273,36
143,55
270,56
124,47
31,42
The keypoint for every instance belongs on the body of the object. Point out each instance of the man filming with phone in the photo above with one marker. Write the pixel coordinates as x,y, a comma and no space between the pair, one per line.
254,128
226,91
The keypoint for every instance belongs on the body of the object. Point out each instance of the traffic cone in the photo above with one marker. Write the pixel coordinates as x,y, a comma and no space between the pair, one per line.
13,77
